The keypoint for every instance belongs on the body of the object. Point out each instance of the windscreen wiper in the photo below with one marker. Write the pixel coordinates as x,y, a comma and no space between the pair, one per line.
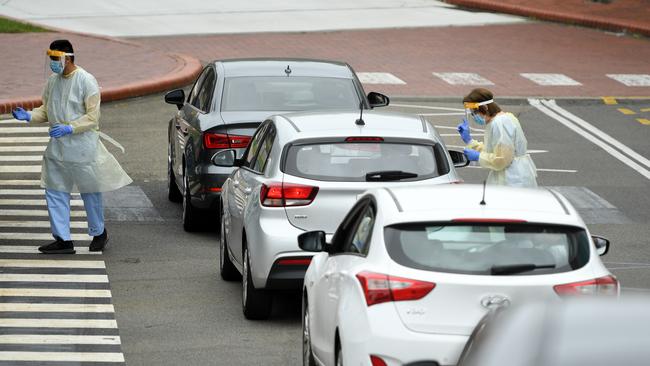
388,175
517,268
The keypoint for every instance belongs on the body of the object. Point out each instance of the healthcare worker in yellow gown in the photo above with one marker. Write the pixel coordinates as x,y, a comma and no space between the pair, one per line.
75,159
504,150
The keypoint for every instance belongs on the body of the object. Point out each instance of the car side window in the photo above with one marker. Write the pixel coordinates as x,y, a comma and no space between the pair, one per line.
262,157
204,97
346,229
358,241
251,152
191,99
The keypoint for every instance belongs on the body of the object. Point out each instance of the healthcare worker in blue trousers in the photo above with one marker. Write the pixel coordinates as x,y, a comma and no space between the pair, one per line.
75,159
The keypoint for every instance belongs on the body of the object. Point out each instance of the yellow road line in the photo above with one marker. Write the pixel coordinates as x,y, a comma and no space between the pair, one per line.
626,111
645,109
644,121
609,100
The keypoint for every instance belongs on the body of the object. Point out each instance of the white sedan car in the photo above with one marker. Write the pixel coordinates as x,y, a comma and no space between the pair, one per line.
411,271
303,172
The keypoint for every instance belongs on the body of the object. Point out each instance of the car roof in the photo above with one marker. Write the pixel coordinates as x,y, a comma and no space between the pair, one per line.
463,201
277,66
343,124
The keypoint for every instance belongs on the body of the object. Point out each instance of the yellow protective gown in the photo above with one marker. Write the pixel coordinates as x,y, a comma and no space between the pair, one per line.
504,153
78,162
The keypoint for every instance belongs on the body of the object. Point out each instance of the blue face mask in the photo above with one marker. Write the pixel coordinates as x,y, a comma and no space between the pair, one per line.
478,119
56,66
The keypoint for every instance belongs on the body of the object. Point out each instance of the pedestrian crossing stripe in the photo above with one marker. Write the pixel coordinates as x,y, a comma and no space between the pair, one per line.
32,202
22,140
20,168
40,236
40,224
51,263
56,308
39,148
550,79
12,277
379,78
631,79
463,78
39,213
61,356
21,158
32,249
25,129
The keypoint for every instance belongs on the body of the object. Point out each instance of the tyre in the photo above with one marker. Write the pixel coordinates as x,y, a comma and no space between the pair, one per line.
226,268
173,193
191,217
307,353
256,303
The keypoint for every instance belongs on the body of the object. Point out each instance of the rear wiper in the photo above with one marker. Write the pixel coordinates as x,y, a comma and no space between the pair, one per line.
388,175
517,268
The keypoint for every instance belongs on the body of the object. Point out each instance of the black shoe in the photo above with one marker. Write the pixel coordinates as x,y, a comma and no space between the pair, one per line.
58,247
99,242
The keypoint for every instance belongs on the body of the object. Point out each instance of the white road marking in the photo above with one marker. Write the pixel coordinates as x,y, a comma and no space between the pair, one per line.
58,323
550,79
417,106
54,263
20,168
379,78
24,129
21,157
19,202
62,356
48,292
463,78
40,236
562,116
57,339
40,213
631,79
44,224
14,277
20,182
32,249
30,192
23,148
22,140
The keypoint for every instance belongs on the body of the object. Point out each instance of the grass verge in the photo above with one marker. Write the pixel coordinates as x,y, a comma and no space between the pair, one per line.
11,26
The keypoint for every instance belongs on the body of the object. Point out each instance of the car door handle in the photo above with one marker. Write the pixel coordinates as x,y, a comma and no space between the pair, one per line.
235,183
248,191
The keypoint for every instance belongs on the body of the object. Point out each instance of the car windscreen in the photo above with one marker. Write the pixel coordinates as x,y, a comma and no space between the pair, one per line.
488,249
351,162
282,93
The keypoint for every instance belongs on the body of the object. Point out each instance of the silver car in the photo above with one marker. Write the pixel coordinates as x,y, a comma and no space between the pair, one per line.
303,172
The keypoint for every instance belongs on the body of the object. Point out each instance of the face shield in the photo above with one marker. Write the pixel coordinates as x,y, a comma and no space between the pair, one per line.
471,109
55,62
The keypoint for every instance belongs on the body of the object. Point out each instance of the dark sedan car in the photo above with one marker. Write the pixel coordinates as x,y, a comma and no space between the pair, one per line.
227,102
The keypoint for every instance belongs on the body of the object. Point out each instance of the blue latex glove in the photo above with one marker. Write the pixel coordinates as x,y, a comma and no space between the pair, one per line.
21,114
60,130
472,155
463,130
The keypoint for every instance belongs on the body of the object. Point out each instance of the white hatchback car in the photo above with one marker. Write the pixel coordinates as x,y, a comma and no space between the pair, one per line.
303,172
411,271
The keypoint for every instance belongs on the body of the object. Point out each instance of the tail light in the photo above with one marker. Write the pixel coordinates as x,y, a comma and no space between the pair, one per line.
301,261
380,288
287,194
607,285
377,361
224,141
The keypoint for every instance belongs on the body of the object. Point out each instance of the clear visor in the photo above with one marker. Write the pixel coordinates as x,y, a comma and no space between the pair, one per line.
54,56
471,108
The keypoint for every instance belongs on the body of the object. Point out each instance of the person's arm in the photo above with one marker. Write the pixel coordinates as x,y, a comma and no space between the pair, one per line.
90,120
39,115
504,148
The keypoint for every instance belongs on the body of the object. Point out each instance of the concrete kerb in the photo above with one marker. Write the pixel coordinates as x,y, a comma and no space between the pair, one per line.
555,16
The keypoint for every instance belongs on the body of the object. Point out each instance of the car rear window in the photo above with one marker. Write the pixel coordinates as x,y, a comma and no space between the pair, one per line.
295,93
350,162
504,249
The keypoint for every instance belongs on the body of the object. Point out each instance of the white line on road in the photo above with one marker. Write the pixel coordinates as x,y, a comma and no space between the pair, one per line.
463,78
48,292
38,148
40,213
21,157
416,106
19,277
32,249
24,129
57,339
62,356
20,168
550,79
19,202
30,192
45,263
631,79
44,224
58,323
20,182
22,140
379,78
40,236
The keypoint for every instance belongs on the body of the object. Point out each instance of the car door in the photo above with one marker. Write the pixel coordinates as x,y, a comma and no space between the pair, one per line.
350,246
240,190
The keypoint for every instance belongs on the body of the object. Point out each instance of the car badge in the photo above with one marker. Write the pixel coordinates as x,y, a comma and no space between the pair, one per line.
495,301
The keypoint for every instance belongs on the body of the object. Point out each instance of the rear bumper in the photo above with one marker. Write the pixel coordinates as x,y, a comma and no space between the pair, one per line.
207,193
285,275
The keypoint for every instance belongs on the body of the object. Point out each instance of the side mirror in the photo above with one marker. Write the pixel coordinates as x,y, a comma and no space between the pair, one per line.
225,158
176,97
377,100
312,241
602,244
458,158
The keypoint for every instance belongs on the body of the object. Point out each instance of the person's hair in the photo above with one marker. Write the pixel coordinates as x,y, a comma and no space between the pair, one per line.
481,95
62,45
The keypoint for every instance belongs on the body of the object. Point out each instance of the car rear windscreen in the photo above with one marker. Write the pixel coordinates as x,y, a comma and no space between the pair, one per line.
295,93
494,249
350,162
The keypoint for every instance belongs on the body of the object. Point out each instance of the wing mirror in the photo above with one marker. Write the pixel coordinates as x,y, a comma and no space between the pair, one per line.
313,241
176,97
377,100
458,158
226,158
602,244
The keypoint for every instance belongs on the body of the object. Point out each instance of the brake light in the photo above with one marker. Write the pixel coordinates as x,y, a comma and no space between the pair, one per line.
489,221
377,361
607,286
287,194
304,261
379,288
225,141
364,139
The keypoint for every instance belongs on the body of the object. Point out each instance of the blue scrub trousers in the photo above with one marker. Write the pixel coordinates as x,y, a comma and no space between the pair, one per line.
58,206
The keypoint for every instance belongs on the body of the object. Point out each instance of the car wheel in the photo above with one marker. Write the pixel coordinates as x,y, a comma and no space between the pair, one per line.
256,303
190,214
307,353
173,193
226,268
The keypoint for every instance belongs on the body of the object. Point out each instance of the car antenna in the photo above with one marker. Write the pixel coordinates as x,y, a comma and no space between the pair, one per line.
287,70
360,121
482,203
